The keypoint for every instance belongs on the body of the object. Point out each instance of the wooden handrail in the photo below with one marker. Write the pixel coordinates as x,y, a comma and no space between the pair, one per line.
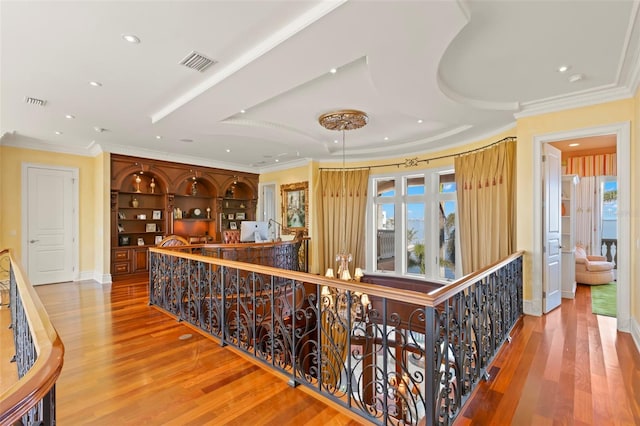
38,381
432,299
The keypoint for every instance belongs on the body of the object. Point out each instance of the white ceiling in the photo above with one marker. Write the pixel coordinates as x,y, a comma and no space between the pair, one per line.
467,69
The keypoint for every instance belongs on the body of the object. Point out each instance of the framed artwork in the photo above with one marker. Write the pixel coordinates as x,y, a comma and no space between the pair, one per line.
157,215
240,216
230,216
151,227
295,207
140,241
122,215
233,225
158,239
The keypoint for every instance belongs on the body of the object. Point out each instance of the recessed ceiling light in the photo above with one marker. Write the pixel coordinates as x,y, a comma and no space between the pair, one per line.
186,140
386,138
58,132
420,121
333,70
563,68
228,150
158,137
69,116
335,141
574,144
277,161
242,111
131,38
95,83
575,78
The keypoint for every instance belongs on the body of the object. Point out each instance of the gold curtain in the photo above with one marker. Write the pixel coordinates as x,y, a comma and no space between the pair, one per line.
485,186
339,217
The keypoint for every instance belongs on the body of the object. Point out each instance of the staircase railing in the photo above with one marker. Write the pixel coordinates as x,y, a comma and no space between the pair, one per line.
38,353
389,355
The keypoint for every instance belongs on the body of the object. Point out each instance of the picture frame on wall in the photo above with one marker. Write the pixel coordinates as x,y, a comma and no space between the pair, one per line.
233,225
295,207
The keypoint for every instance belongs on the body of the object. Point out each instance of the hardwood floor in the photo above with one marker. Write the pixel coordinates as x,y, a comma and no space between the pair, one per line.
569,367
125,364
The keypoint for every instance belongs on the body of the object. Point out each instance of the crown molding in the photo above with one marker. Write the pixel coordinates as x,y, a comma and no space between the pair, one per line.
284,166
15,140
583,99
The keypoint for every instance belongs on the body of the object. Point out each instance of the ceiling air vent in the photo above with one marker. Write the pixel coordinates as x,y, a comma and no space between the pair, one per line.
34,101
197,61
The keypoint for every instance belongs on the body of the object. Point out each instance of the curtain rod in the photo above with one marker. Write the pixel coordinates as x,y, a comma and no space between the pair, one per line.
411,162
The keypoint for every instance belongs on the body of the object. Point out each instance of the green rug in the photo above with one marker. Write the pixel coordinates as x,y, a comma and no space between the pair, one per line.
603,299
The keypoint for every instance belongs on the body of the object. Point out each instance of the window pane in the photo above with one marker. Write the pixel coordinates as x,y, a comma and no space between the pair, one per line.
385,238
386,188
415,238
447,251
447,183
415,185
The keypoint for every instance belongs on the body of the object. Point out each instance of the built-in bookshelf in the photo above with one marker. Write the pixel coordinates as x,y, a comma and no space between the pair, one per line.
151,199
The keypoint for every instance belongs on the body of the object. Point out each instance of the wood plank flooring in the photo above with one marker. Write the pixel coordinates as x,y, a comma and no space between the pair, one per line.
569,367
125,364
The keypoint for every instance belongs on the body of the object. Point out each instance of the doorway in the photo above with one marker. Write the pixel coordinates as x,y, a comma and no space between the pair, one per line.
623,146
50,223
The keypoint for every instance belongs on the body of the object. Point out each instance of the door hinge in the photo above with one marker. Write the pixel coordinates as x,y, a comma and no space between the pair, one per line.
544,294
544,158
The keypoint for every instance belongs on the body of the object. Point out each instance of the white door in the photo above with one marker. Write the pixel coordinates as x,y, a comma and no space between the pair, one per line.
50,228
551,248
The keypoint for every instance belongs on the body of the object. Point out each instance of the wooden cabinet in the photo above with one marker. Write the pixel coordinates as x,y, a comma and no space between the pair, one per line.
234,211
151,199
568,235
141,219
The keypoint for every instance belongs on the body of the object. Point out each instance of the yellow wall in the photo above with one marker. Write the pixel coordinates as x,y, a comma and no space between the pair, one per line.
289,176
635,211
11,161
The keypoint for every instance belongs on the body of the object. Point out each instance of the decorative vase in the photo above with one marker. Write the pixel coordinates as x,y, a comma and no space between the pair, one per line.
152,185
134,202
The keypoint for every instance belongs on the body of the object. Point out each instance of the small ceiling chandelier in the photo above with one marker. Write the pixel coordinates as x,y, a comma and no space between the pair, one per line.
348,119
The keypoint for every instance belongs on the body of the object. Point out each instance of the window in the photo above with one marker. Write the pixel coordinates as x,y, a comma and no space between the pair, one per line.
414,225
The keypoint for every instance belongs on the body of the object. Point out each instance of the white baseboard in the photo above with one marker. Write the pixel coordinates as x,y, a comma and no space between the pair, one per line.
568,294
532,307
635,333
96,276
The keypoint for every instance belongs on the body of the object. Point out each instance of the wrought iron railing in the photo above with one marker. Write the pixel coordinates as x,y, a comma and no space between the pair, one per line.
391,356
38,355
